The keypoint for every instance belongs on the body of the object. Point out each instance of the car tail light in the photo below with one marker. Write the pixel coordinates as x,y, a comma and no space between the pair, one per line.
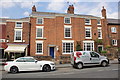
74,58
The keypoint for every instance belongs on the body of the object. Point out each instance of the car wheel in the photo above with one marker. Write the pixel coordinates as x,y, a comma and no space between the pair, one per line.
104,64
46,68
14,69
79,65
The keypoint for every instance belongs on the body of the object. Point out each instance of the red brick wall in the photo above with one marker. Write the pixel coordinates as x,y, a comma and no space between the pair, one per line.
54,33
3,35
10,32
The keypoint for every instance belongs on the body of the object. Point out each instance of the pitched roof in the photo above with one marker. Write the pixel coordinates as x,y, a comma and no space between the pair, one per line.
51,14
113,21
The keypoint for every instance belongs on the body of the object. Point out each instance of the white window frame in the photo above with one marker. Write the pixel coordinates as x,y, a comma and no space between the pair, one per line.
2,40
66,26
15,35
16,24
99,28
88,42
65,19
89,22
67,41
42,21
113,29
41,42
115,41
90,32
40,27
97,22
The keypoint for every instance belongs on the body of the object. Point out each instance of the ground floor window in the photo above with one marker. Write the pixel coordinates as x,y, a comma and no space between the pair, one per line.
39,47
100,48
88,45
68,47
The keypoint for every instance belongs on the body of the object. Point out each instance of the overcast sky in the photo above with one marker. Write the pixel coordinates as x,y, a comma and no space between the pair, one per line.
22,8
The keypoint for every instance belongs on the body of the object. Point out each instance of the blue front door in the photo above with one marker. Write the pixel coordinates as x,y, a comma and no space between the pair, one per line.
52,52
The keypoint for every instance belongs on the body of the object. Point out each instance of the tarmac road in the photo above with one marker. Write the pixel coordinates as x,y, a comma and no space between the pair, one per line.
69,72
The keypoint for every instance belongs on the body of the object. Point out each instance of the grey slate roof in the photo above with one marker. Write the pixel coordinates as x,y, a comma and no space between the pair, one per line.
51,14
113,21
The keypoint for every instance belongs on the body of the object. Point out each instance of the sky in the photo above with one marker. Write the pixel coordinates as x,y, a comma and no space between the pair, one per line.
22,8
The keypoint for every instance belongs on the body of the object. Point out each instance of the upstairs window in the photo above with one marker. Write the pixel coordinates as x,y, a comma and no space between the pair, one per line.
87,21
113,29
114,42
67,32
18,24
98,22
67,20
39,31
99,33
88,34
39,20
18,35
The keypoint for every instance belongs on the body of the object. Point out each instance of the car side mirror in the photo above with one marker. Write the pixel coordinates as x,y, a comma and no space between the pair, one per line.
36,61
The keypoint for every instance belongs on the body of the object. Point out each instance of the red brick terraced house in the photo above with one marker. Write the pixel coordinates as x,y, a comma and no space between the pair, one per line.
59,34
17,37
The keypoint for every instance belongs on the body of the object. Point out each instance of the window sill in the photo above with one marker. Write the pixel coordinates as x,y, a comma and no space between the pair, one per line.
99,38
18,41
87,24
88,38
98,24
114,32
114,45
68,37
38,53
66,53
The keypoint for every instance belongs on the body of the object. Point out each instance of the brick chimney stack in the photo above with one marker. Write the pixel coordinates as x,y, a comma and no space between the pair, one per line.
103,12
70,9
33,8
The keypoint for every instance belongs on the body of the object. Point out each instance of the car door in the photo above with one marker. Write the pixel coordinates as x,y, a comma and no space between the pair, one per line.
31,64
20,63
94,59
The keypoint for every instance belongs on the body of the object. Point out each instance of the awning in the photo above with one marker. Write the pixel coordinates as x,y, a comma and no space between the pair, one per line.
15,48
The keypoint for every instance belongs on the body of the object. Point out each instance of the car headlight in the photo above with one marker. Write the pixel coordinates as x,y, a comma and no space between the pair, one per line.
52,63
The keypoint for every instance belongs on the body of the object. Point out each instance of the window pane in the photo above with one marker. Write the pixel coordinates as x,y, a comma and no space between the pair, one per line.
67,32
88,32
88,46
39,32
39,47
99,33
39,21
67,20
18,35
87,21
18,24
67,47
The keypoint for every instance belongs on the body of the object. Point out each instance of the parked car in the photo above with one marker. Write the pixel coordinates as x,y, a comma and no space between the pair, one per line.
28,64
79,59
119,59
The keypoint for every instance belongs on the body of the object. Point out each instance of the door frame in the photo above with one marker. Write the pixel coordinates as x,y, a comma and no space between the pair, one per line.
54,51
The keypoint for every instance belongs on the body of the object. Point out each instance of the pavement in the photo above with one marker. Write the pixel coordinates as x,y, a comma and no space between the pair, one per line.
115,61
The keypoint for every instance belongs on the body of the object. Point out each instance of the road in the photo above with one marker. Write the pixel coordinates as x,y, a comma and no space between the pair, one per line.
69,72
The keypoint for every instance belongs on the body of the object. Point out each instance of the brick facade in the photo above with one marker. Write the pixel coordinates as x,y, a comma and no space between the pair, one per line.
53,28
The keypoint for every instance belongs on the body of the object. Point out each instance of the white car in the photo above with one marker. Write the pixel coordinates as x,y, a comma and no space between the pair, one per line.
28,64
79,59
